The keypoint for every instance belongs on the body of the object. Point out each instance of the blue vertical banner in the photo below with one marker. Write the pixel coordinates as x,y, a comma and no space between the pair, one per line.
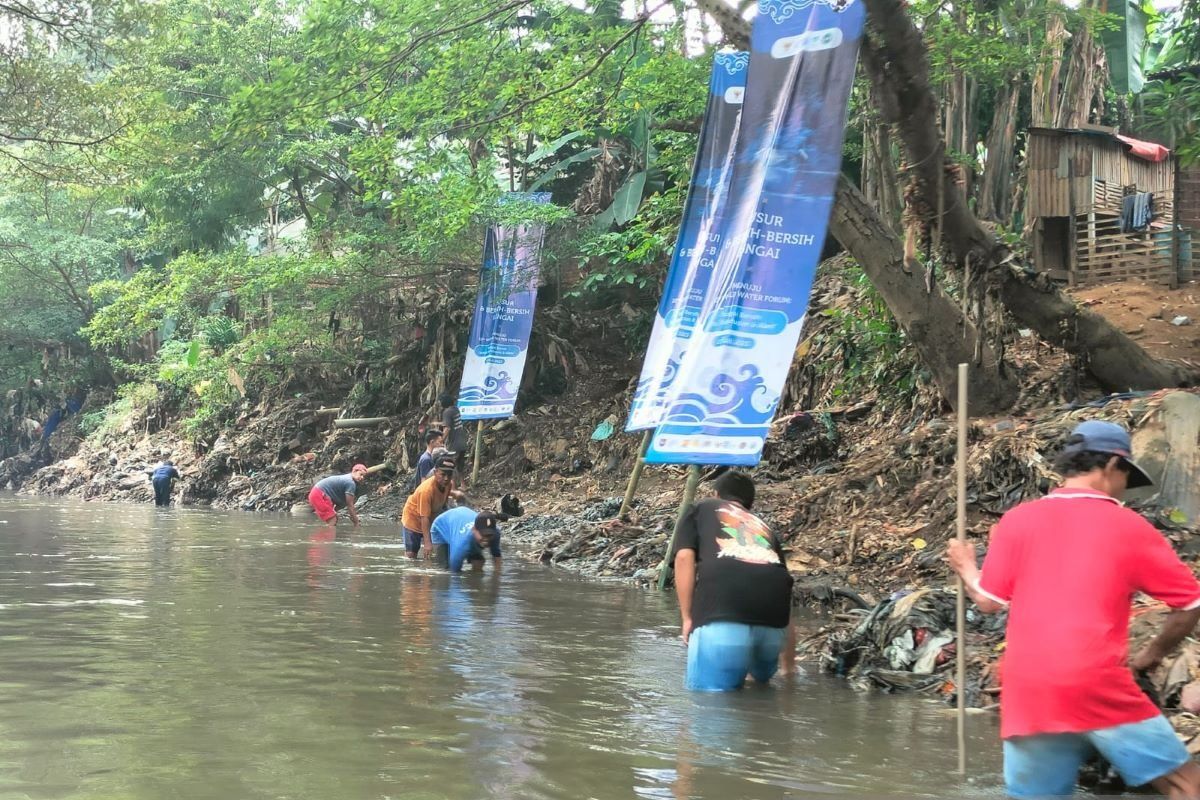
503,316
772,227
696,246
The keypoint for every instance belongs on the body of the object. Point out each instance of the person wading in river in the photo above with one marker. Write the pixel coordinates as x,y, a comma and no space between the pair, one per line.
163,479
734,590
1066,567
337,491
461,534
424,504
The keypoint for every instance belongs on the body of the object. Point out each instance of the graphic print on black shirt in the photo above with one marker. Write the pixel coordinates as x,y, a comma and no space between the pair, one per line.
741,576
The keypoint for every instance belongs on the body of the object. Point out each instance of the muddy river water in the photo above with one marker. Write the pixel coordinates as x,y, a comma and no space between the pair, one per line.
192,654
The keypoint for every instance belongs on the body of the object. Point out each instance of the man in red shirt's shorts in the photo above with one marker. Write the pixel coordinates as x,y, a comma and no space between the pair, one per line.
1066,567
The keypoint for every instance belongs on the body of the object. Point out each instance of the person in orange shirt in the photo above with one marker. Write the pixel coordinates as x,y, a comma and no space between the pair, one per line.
423,505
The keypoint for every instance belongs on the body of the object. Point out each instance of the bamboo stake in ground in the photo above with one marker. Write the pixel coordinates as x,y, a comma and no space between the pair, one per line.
636,475
689,494
478,450
961,609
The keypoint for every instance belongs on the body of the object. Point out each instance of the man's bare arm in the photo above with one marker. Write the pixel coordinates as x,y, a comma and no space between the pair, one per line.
1178,626
685,585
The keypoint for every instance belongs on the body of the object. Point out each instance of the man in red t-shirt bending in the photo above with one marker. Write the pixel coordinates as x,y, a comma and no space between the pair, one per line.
1066,567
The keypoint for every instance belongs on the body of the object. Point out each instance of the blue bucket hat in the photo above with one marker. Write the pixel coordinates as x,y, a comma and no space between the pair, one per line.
1098,436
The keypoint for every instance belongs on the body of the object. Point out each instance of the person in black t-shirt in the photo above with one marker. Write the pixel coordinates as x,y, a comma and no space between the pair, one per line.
454,432
735,593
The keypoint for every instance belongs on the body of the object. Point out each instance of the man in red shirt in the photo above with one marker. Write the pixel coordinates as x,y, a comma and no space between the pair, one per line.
1066,567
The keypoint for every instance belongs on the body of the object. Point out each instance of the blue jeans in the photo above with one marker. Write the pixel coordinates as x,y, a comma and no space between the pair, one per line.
721,654
412,541
1047,765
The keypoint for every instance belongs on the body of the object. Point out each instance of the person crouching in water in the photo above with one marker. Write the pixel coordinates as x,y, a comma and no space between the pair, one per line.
734,590
163,479
423,506
462,535
337,491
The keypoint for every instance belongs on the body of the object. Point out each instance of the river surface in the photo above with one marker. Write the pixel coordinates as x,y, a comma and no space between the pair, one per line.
192,654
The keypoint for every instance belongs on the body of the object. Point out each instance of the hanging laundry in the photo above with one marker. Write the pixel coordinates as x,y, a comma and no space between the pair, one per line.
1136,211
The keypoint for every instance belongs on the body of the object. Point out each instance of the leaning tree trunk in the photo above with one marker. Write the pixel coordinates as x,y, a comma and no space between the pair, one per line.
935,325
895,58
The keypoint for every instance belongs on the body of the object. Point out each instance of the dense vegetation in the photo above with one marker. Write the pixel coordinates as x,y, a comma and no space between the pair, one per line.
203,202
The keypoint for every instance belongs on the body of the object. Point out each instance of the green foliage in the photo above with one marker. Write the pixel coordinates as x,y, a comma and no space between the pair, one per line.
868,345
1125,45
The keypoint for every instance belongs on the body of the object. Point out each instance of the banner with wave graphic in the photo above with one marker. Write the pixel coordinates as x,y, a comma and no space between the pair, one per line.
772,224
696,246
503,316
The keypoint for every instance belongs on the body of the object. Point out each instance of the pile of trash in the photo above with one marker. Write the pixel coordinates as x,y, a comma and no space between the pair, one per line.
908,643
593,542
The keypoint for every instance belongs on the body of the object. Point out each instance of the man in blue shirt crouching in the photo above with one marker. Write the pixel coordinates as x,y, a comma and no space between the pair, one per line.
462,534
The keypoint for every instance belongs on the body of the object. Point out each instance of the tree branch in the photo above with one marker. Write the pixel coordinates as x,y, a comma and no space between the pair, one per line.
604,54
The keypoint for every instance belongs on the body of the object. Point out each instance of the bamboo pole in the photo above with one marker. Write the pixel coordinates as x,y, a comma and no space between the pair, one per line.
636,475
360,422
377,467
689,494
478,450
961,604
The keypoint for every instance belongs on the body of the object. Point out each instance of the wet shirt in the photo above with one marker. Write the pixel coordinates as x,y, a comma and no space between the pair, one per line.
164,472
1068,566
336,487
425,501
456,434
456,530
741,576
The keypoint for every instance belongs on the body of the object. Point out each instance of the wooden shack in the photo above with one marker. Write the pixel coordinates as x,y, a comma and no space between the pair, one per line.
1077,183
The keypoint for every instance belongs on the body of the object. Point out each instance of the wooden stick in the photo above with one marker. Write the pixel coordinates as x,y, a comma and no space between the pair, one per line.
377,467
478,450
689,494
636,475
961,604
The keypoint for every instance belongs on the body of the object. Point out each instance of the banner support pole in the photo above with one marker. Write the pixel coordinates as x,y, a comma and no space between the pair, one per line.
689,495
961,605
636,475
478,450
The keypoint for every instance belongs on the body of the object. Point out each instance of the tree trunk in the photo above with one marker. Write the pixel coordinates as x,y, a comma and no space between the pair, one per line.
935,325
995,190
899,68
1043,96
1083,86
881,184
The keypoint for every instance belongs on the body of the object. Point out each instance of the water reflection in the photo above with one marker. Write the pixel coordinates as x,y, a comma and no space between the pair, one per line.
190,654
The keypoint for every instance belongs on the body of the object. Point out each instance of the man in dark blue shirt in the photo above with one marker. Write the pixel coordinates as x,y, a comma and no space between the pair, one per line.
433,441
162,478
